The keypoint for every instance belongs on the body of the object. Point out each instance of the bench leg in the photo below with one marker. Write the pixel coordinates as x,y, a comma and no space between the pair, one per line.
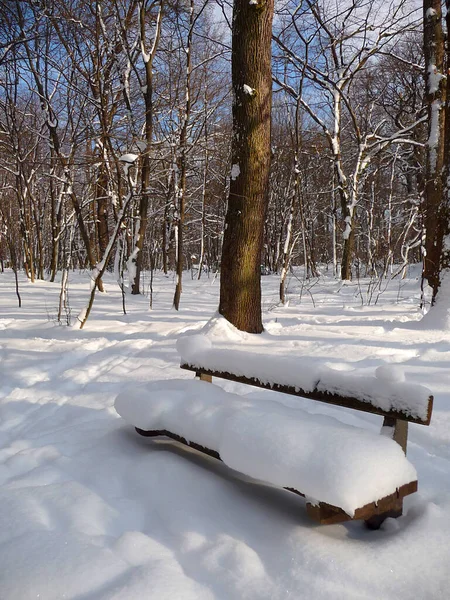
376,521
204,377
398,431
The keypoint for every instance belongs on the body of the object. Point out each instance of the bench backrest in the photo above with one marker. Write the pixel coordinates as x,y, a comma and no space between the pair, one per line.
320,396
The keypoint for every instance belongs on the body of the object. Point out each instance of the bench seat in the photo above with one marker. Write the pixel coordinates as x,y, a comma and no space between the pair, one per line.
344,472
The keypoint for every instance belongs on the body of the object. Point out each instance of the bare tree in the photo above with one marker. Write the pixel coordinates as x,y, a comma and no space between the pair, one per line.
181,167
146,10
337,43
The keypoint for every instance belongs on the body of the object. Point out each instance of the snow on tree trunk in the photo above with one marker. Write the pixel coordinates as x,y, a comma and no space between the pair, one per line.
437,268
435,102
240,288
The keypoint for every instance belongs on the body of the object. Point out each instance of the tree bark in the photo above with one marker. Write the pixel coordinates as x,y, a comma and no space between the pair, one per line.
102,210
347,255
240,288
182,163
434,99
444,216
148,128
204,186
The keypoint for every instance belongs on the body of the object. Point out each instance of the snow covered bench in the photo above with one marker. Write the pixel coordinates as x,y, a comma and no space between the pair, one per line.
344,472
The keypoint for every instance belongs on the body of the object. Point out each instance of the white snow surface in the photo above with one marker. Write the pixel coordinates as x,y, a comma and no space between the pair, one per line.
90,510
349,467
386,389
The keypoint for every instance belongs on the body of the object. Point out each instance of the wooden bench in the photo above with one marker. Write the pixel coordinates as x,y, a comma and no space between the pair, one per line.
406,403
373,513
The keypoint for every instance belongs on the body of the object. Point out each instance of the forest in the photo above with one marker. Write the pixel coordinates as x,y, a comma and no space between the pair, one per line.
116,127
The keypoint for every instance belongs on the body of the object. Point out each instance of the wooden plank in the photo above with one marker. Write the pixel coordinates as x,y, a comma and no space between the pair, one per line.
179,438
323,513
399,431
375,521
204,377
335,399
327,514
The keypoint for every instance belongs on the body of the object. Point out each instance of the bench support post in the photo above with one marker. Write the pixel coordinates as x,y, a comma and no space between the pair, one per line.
398,431
376,521
203,376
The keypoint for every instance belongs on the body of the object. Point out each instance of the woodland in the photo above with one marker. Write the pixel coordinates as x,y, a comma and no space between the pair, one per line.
116,138
181,175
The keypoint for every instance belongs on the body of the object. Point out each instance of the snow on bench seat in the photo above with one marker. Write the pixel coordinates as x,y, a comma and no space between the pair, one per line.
385,390
326,460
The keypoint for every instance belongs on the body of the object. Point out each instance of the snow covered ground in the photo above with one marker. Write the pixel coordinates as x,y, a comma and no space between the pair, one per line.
90,510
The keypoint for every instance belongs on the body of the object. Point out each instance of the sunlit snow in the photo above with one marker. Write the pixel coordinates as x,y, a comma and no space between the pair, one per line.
92,511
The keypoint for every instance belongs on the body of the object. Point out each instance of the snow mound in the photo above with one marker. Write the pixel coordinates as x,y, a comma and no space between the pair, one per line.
438,317
390,373
193,347
323,458
218,328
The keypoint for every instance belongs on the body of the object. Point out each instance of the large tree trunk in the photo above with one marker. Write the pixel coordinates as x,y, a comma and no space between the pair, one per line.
435,99
240,288
439,315
445,208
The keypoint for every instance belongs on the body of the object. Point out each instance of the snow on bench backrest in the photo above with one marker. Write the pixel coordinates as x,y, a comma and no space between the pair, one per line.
385,390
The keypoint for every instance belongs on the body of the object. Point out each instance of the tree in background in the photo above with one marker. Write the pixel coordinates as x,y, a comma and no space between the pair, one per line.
84,83
433,41
436,269
332,47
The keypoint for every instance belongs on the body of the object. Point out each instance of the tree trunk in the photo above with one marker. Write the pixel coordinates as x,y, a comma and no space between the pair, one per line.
347,255
287,249
434,99
145,173
56,207
240,288
145,182
444,217
182,163
102,209
204,187
439,276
